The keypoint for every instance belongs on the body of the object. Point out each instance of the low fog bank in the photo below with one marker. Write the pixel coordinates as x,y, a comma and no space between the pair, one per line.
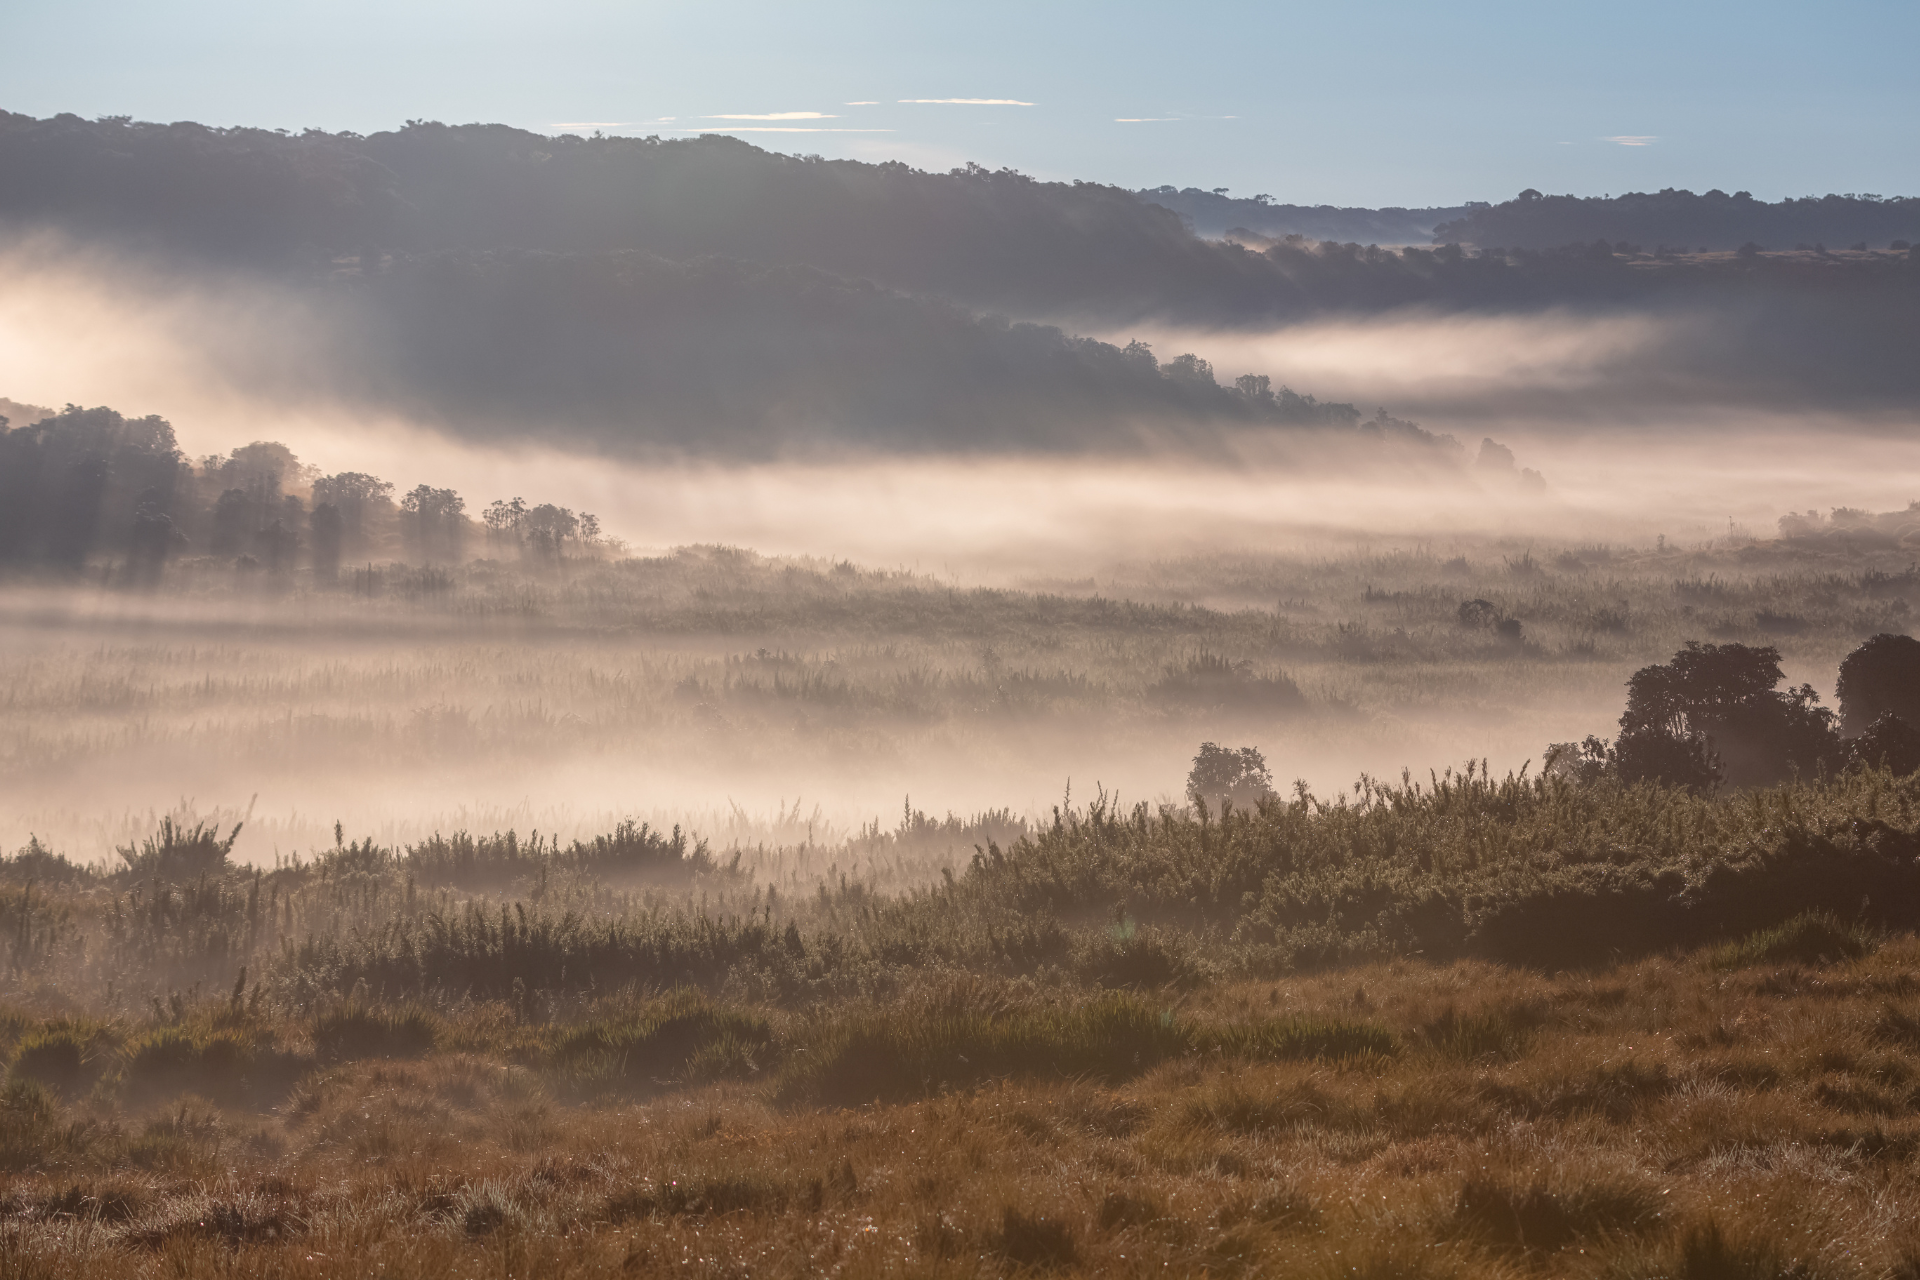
1632,446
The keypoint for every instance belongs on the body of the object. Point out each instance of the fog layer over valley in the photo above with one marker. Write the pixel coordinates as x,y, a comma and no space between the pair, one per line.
957,489
580,706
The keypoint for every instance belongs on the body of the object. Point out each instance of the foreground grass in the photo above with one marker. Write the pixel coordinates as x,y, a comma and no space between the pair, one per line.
1716,1114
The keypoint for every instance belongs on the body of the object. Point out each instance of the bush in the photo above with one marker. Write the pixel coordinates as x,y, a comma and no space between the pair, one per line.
1816,937
1135,957
63,1056
682,1038
910,1053
1889,743
177,852
172,1060
355,1031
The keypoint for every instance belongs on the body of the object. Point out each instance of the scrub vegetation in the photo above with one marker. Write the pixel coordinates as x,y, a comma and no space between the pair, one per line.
1580,1019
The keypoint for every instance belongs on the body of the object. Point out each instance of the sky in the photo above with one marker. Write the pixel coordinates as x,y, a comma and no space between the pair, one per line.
1370,102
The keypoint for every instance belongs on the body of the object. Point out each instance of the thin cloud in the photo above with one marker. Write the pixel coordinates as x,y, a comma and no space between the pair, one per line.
972,102
776,115
594,124
1146,119
781,129
1634,139
874,103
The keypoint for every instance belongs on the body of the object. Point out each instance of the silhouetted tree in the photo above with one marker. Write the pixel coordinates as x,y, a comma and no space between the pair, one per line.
324,528
359,498
1888,743
1223,774
233,523
1712,715
435,518
152,540
1881,675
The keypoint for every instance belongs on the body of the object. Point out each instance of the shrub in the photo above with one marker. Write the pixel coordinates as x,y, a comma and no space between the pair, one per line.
176,852
354,1031
911,1053
172,1060
63,1056
1889,743
680,1038
1135,957
1209,681
1815,937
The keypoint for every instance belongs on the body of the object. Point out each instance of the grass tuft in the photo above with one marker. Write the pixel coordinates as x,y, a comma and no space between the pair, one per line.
1814,937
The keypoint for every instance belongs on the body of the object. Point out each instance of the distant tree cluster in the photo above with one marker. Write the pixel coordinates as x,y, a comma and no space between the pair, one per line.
1713,716
1714,220
705,294
1214,213
988,238
715,356
91,490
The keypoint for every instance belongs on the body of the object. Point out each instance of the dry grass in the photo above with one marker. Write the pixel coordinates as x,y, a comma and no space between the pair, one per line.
1676,1117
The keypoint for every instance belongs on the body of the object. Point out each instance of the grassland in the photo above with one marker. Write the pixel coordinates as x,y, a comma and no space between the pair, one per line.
1474,1022
694,686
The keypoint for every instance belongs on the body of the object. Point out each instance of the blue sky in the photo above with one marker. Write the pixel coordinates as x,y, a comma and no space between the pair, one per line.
1376,102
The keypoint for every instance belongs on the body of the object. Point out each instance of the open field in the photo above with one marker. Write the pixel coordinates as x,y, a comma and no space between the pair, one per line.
518,956
1475,1028
722,690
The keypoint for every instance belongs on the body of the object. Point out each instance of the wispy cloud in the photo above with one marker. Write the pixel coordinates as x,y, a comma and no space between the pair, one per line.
1634,139
1145,119
874,103
776,115
972,102
779,129
594,124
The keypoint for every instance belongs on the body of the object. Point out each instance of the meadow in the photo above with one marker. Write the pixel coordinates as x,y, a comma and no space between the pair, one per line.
744,695
1479,1020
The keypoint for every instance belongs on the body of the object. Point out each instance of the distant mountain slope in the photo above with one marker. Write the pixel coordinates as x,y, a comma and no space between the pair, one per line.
996,239
628,350
1684,221
1213,213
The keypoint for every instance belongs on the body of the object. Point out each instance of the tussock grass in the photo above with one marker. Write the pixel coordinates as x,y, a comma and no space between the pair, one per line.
916,1052
682,1038
1815,937
352,1031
